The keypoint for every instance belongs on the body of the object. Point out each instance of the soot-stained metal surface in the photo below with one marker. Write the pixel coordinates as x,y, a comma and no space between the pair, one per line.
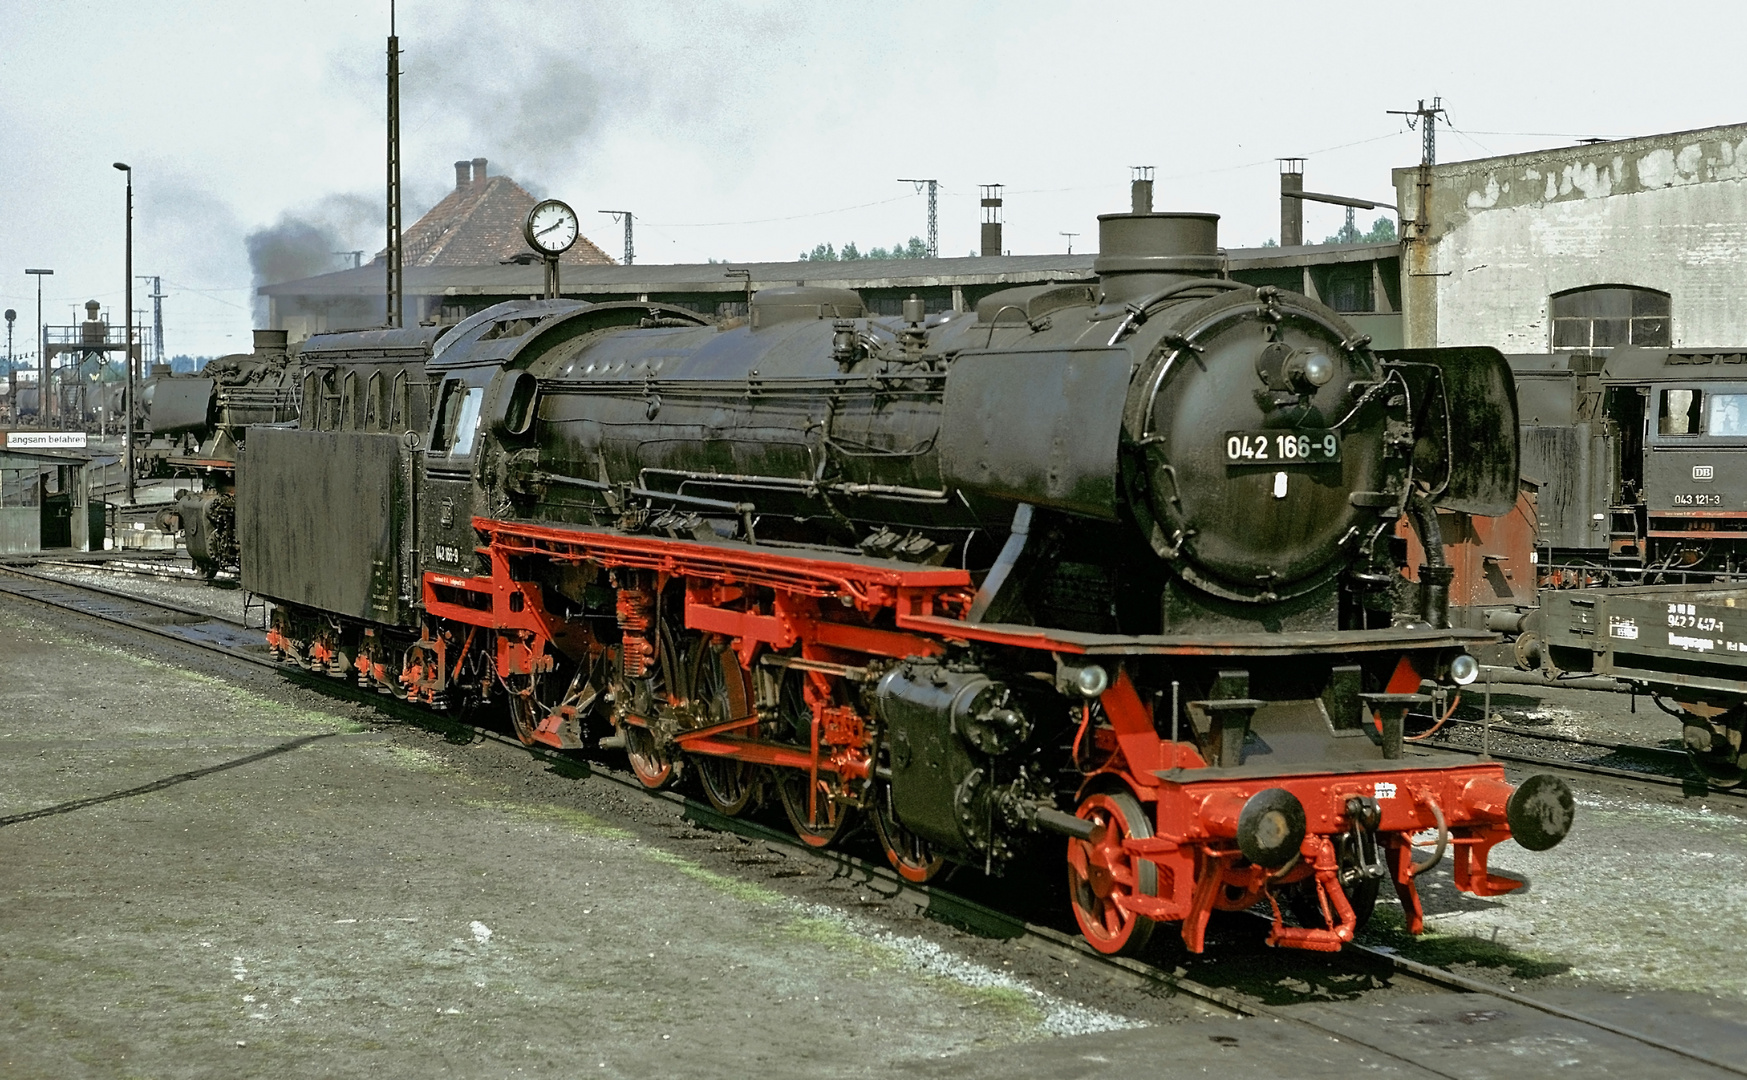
1038,427
320,519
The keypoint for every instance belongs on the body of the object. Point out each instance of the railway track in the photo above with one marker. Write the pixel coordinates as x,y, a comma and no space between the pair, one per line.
233,640
1675,768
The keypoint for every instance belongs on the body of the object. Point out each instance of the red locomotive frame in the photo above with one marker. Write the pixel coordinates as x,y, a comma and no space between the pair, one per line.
1161,844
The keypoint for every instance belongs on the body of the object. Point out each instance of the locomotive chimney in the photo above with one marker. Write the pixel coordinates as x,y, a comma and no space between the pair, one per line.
463,175
1141,253
270,341
1141,188
479,170
1291,207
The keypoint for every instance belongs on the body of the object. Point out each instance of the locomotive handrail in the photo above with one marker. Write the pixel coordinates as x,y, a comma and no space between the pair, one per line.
874,383
994,320
1147,301
788,483
1137,312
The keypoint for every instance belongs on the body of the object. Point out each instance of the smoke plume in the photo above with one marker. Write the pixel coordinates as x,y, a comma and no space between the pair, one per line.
315,240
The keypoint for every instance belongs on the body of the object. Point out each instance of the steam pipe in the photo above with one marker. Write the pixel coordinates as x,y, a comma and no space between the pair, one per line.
1435,574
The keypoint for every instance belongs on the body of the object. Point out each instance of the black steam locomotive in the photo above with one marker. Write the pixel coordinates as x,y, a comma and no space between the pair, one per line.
1642,508
1111,561
1636,456
193,425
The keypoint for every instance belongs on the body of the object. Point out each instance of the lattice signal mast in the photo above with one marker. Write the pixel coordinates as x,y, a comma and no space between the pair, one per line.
630,248
1428,154
933,206
157,297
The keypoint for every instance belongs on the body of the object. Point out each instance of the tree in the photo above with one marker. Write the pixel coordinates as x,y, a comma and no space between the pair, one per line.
915,249
1382,231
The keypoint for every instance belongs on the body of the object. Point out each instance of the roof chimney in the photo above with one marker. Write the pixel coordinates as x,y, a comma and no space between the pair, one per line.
992,219
463,174
479,170
1291,208
1141,188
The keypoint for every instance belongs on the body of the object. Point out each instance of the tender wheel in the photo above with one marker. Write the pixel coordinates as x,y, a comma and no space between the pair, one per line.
829,820
649,760
1102,877
910,855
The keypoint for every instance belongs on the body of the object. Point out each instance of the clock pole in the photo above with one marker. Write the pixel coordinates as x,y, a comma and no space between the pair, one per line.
536,232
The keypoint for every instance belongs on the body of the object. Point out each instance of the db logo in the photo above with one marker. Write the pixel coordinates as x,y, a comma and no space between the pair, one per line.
1701,472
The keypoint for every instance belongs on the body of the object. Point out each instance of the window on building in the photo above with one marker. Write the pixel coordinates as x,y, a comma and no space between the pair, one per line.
1603,316
20,487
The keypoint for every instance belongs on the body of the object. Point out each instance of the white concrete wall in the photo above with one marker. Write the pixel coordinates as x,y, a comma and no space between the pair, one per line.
1667,212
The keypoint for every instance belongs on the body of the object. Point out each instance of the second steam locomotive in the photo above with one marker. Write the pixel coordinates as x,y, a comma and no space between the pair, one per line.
1112,562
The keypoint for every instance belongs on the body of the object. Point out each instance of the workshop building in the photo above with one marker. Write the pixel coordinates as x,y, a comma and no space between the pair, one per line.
1630,242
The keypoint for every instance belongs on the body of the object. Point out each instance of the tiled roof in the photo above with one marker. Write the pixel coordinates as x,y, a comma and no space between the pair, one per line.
480,224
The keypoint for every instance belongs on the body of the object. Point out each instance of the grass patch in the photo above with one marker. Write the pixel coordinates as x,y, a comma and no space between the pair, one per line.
574,820
834,935
740,890
411,757
256,715
1004,1001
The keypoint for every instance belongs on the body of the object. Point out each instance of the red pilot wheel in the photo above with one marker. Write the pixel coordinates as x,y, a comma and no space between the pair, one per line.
1102,877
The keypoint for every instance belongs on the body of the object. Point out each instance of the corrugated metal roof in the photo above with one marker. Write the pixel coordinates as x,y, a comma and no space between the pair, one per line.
513,279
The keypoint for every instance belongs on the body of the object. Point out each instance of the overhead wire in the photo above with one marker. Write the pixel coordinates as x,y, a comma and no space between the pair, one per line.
944,190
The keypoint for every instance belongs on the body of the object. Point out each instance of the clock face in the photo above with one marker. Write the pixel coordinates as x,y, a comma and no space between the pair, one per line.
551,227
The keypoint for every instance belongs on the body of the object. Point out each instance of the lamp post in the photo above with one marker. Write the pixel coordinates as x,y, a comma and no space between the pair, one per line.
127,346
11,376
42,352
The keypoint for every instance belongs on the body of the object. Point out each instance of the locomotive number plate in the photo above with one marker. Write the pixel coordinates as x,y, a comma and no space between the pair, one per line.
1306,446
1701,499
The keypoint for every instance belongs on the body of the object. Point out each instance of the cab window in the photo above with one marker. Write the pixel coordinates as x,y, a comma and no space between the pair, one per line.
1680,412
1726,415
457,417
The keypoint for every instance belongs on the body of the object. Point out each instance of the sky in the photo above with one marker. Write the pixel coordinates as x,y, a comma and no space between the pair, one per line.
755,130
